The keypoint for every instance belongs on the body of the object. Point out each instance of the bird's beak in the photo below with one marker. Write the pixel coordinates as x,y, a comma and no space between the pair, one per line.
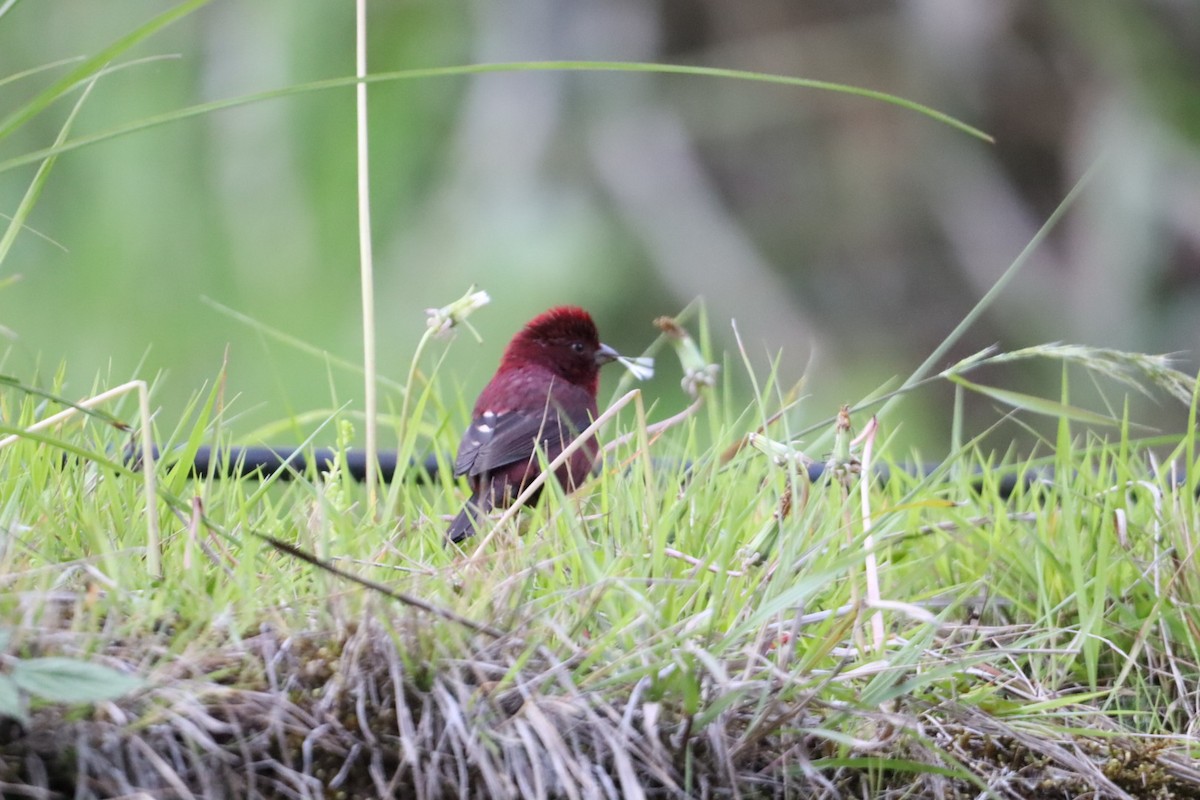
606,354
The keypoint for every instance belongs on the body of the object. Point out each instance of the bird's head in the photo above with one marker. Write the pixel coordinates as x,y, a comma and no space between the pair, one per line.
563,340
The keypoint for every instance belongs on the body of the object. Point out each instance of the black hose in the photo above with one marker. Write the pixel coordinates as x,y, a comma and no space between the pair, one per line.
258,463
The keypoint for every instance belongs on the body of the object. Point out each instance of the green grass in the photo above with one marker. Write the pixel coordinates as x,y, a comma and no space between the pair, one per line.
665,630
697,621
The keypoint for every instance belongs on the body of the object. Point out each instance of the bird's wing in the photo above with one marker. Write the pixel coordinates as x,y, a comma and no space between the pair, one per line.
497,440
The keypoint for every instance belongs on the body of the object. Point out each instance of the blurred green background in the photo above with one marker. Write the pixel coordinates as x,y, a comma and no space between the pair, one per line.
850,235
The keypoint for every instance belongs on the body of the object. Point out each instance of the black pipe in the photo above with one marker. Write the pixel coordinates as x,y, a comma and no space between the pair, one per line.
258,463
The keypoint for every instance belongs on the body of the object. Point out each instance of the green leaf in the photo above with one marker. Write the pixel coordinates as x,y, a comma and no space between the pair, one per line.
10,700
17,220
473,69
40,68
1038,405
1010,274
91,66
67,680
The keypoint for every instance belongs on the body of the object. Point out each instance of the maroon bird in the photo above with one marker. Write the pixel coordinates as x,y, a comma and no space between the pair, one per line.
541,397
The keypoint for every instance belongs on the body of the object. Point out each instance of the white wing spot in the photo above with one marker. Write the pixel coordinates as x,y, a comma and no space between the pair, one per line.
483,428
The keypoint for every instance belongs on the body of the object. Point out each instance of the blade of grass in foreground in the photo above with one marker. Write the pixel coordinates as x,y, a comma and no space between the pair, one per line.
17,220
88,69
989,297
1037,405
479,69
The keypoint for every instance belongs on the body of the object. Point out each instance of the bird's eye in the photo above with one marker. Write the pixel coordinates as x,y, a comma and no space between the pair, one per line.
577,347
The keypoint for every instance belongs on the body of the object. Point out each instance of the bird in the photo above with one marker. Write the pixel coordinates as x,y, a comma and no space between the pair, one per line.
541,397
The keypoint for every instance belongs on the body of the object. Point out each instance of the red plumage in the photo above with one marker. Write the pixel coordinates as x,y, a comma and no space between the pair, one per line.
541,397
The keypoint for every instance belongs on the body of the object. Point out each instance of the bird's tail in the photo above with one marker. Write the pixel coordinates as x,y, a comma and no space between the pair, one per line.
463,525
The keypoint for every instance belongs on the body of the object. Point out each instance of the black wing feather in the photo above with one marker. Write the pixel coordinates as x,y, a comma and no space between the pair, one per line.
497,440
